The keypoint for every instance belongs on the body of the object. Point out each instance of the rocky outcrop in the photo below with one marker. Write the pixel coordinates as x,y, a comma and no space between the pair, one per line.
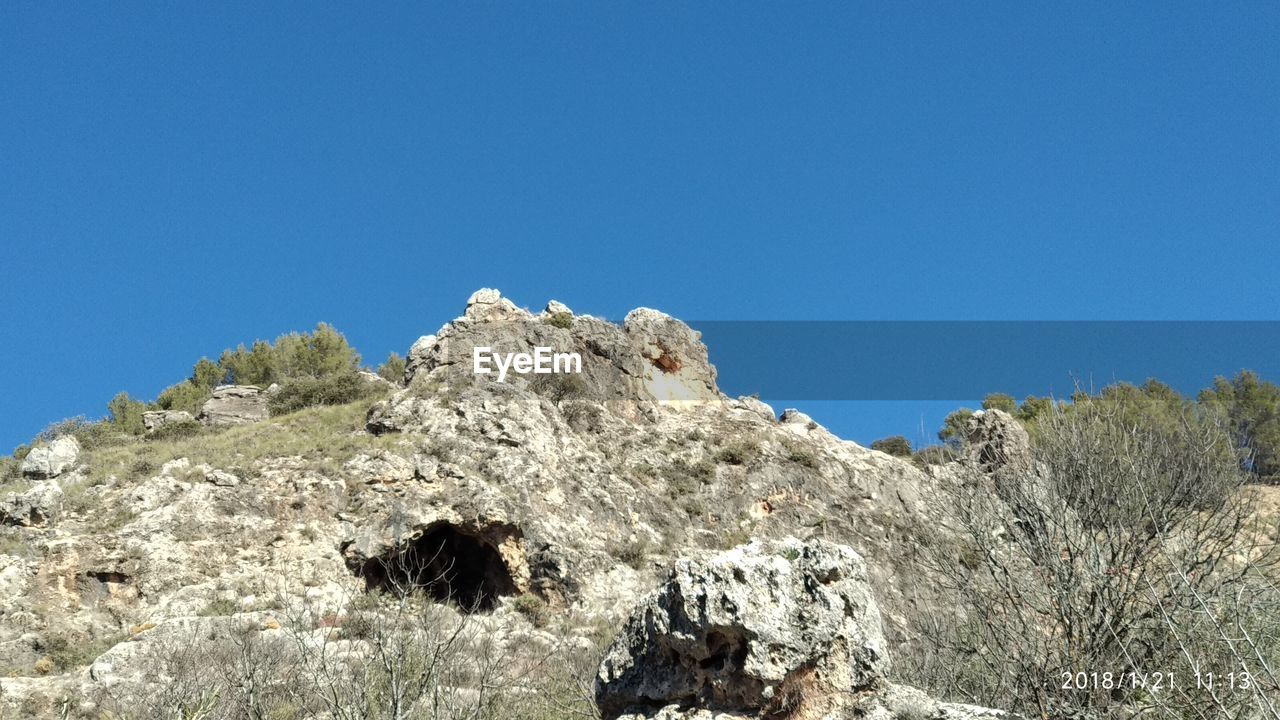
764,630
575,494
38,505
52,460
153,420
234,405
651,358
996,442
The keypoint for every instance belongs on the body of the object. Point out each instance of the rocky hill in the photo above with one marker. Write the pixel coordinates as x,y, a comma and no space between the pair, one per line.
539,512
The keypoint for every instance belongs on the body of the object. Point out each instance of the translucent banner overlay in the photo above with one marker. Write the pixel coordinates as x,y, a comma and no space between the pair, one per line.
956,360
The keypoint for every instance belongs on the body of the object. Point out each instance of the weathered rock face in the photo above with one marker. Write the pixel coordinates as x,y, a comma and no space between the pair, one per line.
777,629
234,405
39,505
997,442
47,461
153,420
650,358
753,630
579,493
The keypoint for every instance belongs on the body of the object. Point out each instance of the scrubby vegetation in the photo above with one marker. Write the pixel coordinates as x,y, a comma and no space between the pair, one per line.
896,445
311,369
374,656
392,369
1129,545
1245,406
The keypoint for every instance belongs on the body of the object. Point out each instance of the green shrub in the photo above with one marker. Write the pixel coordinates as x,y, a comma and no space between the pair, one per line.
532,607
90,433
319,353
562,320
126,414
185,396
304,392
221,607
392,370
177,431
1000,401
738,453
895,445
953,425
69,653
632,554
802,457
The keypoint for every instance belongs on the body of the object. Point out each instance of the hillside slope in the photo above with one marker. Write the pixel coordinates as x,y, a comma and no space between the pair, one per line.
552,503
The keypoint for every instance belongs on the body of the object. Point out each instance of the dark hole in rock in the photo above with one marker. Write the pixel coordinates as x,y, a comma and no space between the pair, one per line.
109,577
99,585
449,563
726,653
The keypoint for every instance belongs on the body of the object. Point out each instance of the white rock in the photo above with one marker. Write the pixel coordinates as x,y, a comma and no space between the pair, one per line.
47,461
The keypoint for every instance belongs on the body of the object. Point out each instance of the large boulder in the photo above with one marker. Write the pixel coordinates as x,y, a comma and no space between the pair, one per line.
995,441
38,505
768,629
153,420
234,405
48,461
751,629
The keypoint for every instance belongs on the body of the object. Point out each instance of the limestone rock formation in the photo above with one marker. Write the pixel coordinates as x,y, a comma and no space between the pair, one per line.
48,461
995,441
153,420
567,493
764,630
234,405
38,505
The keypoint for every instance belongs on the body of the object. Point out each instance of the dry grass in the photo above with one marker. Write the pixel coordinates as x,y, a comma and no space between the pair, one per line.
327,436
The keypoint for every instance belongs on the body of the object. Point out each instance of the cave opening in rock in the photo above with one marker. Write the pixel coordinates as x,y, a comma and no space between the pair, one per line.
448,563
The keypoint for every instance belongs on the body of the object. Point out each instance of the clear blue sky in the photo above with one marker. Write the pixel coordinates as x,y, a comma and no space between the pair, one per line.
180,177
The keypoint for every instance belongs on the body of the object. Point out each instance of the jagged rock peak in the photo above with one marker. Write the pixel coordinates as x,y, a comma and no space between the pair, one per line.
650,357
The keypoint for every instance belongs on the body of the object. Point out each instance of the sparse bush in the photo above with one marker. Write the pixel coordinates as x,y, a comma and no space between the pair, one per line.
1000,401
67,652
1117,547
896,446
952,432
177,431
802,457
737,453
935,455
220,607
304,392
632,554
562,320
186,396
125,414
560,387
533,608
89,433
583,415
392,369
